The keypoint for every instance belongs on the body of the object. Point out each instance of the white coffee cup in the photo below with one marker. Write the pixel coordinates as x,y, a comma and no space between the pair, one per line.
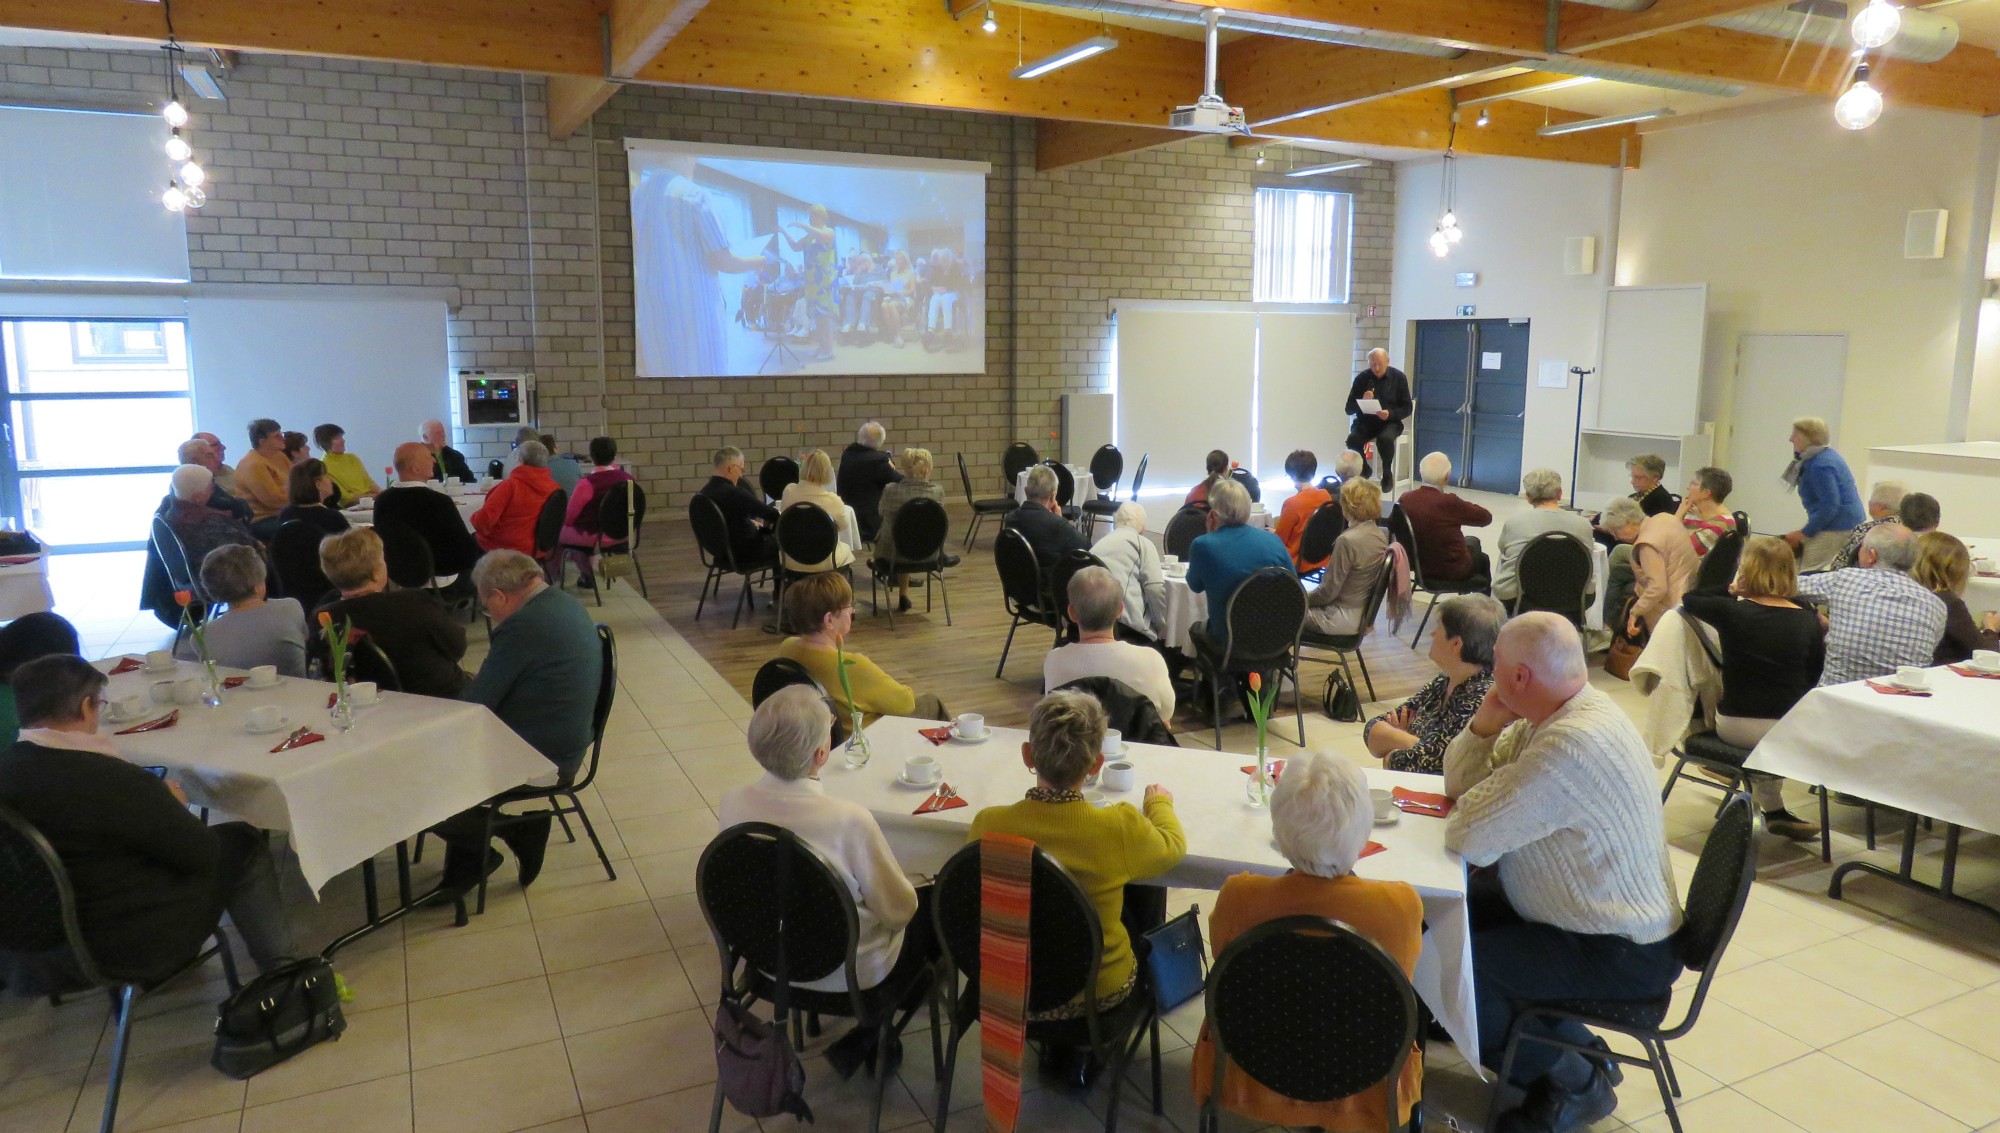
187,691
971,725
1912,676
1986,658
363,693
1170,560
1117,776
1986,566
160,660
1114,742
162,692
1384,804
921,769
128,707
261,675
264,718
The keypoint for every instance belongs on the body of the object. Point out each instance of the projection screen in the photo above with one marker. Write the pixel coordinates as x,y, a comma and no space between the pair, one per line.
749,260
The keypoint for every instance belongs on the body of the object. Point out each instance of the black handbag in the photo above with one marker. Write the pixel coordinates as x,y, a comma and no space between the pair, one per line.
1340,701
277,1015
1175,960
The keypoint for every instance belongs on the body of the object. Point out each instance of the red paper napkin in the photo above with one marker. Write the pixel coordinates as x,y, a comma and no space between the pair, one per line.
1421,802
1892,690
167,721
936,735
332,698
934,804
1277,768
1975,674
1372,848
234,682
127,665
308,738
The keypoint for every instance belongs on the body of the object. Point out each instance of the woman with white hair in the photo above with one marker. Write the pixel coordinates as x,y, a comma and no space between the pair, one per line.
1322,816
199,527
256,630
815,486
1654,563
1826,490
1543,489
1134,561
916,465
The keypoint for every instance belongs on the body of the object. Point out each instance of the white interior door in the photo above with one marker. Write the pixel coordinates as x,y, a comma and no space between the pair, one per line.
1779,378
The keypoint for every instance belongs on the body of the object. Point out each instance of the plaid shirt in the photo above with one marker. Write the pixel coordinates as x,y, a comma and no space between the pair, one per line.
1879,619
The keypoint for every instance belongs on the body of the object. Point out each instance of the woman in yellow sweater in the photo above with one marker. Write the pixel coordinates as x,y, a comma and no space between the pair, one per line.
819,609
349,473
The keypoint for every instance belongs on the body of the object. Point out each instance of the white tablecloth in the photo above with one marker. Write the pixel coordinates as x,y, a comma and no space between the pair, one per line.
1085,487
1982,593
1930,755
24,588
1226,836
408,763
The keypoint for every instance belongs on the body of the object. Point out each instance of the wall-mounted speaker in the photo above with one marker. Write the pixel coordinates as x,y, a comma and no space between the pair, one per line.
1923,234
1580,255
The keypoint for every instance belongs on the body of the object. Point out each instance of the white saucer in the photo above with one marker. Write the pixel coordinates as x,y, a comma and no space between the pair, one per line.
274,682
1124,749
1096,798
284,722
160,672
1925,687
1395,816
964,740
916,786
1978,668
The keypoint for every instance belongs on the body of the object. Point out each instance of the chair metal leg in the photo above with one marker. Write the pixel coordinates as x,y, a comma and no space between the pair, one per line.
715,1110
1506,1065
640,574
1667,1063
943,592
1298,700
485,847
120,1046
1825,828
1673,777
950,1064
591,832
1667,1092
564,819
741,600
1869,818
1423,621
1363,658
878,1064
1002,666
1215,704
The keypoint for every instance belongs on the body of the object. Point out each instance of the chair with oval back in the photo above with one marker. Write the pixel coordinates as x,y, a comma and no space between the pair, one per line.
1187,525
1264,617
1021,589
980,508
718,555
1316,541
1019,457
924,523
1555,575
777,474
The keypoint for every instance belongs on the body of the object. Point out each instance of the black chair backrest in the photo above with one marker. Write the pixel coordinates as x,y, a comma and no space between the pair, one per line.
1139,477
1378,593
607,687
1721,885
496,469
711,532
807,534
1059,576
1107,464
778,473
367,662
1065,939
1718,566
734,882
1135,716
173,555
35,891
1311,1009
921,527
1743,524
1187,525
295,554
777,673
1554,574
1265,615
621,510
1397,522
407,555
549,522
1330,485
1019,457
1322,528
965,477
1020,576
1242,476
1065,482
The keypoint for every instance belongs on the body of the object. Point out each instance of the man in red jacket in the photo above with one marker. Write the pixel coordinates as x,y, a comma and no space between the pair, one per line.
1445,552
506,521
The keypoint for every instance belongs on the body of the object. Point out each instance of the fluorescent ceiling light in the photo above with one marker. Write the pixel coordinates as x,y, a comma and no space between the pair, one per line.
1336,167
1559,84
202,82
1076,52
1600,123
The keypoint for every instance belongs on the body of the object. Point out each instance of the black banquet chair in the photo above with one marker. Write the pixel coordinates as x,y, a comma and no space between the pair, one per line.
980,508
921,528
1714,903
1316,541
1021,590
1065,490
1107,467
548,535
1019,457
295,556
1265,616
1718,566
1310,1010
777,474
718,556
1242,476
806,534
1065,950
1345,645
1555,575
1401,531
1187,525
40,932
777,909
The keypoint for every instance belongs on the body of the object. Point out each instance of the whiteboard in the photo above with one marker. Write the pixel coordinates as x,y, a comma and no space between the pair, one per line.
1779,379
377,366
1303,364
1184,382
1649,370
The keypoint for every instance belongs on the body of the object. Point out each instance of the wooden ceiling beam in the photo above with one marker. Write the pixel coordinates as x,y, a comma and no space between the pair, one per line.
1513,86
1584,27
641,29
1422,120
1277,79
572,99
1059,144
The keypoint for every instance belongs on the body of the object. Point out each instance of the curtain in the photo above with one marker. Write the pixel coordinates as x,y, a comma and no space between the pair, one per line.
1302,249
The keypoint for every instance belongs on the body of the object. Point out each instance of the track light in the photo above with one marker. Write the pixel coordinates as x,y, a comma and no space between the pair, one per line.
1074,53
1336,167
989,25
1562,128
1876,24
1859,105
1483,119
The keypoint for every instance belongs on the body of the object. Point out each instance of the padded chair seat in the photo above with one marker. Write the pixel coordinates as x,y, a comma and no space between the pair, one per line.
1103,507
993,507
1477,584
1707,747
1208,652
1345,642
1641,1013
879,1000
945,561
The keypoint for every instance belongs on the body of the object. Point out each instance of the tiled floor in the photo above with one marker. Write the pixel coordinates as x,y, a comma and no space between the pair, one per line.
583,1004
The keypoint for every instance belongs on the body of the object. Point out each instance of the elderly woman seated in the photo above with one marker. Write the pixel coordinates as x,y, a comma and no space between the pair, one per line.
1654,563
916,465
819,610
1134,561
1103,848
410,626
1322,816
1413,737
199,527
791,736
1337,605
309,487
815,487
1542,488
256,630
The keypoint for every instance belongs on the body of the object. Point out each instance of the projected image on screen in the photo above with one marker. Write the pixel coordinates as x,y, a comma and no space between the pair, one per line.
764,261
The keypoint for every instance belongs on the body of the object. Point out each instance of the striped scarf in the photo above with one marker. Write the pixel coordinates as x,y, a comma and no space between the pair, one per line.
1005,866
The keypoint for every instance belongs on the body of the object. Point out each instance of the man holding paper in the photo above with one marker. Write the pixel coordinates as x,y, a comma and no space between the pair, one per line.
1379,402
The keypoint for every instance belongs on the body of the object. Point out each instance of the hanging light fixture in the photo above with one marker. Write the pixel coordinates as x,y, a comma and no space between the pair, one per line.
1448,232
1860,104
1260,158
1483,119
989,25
184,185
178,149
1876,24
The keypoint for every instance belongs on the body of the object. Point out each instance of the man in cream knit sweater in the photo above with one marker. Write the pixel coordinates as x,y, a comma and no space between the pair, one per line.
1554,786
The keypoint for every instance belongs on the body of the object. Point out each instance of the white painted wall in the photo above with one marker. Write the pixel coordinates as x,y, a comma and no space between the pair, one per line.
1516,215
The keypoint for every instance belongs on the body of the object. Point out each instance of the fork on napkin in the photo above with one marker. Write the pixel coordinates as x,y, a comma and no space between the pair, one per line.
299,738
944,798
1892,690
1421,802
1277,768
936,736
167,721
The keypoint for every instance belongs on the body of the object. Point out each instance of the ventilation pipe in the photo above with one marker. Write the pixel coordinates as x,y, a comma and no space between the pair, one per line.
1925,37
1193,16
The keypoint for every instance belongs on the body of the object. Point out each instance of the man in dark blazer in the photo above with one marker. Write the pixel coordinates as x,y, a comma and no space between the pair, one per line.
1041,522
151,880
445,460
411,503
750,520
865,469
1391,387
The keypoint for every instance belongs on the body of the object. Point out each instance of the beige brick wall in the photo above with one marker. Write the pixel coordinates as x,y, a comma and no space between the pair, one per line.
342,172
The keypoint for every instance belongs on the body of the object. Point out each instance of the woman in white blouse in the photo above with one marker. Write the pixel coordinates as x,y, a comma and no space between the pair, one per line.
1134,561
815,487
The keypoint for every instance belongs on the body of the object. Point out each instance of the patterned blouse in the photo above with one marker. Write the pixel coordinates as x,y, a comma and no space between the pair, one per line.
1707,532
1438,719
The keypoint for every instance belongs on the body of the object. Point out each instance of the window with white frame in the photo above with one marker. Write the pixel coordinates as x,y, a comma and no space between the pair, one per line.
1304,246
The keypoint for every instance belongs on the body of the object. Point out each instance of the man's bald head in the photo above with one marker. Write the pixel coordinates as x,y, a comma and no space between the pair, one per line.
1378,361
1538,664
414,461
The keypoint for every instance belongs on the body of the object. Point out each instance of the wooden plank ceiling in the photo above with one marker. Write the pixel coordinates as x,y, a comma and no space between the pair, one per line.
914,53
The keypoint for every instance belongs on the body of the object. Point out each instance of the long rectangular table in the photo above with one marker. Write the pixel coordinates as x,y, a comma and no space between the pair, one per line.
1226,836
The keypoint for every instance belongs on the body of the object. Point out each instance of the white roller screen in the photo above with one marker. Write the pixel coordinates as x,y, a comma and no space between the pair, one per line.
1184,380
1304,362
80,198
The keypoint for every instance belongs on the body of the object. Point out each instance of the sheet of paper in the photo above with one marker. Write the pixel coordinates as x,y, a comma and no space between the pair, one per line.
1368,404
1554,374
1489,359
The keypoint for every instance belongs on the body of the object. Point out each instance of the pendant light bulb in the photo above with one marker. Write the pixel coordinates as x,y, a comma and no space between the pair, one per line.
989,25
1876,24
1454,234
1440,244
1483,118
175,114
1860,105
195,197
192,174
174,199
1260,157
178,149
1450,220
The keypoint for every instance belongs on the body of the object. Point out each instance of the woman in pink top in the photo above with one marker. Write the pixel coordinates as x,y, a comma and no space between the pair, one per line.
582,533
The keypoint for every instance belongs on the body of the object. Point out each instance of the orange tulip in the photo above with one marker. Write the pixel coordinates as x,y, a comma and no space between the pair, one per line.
325,619
184,597
1256,682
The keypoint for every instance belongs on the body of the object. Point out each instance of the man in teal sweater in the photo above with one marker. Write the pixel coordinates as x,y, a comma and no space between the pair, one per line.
541,678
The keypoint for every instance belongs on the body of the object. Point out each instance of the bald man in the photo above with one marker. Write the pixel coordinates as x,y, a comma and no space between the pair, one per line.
1559,803
1391,387
414,503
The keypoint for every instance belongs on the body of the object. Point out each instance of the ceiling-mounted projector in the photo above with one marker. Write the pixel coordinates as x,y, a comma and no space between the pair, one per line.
1209,114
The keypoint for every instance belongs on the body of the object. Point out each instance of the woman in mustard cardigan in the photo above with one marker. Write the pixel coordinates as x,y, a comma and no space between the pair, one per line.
819,608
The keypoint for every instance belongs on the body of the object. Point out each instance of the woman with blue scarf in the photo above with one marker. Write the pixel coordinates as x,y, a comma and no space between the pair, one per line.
1826,490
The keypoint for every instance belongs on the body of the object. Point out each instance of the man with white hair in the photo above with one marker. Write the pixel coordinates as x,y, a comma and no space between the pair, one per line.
413,502
1390,389
1040,520
1134,561
445,460
1885,500
1556,791
865,469
1349,465
1095,601
198,450
200,526
1437,517
1878,617
1232,551
225,475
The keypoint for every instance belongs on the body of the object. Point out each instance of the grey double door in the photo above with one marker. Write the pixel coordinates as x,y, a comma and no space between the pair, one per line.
1471,385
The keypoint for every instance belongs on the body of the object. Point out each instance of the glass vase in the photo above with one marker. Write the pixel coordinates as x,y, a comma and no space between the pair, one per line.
211,691
342,712
857,745
1257,792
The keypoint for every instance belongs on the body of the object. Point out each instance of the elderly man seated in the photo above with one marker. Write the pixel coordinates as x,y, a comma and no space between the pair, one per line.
507,520
1879,618
1039,520
1095,603
751,523
1557,793
197,523
1884,500
865,469
1348,465
541,679
1232,551
256,630
1920,512
151,880
411,627
1134,561
414,503
1438,518
1321,816
446,461
225,473
198,450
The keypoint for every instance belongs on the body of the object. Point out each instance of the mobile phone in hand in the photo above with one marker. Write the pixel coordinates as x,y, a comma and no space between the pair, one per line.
158,770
